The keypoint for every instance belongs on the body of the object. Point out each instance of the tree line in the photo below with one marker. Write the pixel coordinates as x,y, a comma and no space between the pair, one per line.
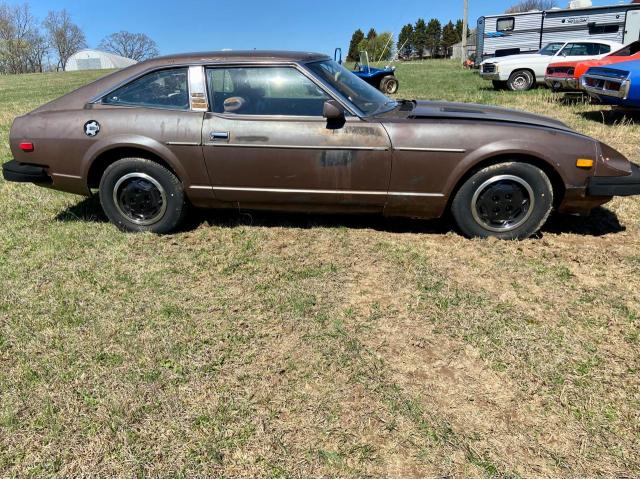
28,45
415,40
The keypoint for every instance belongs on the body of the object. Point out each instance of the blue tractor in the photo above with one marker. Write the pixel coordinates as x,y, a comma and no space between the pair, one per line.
384,79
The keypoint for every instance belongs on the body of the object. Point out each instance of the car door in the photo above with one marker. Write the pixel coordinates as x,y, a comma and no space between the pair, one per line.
266,142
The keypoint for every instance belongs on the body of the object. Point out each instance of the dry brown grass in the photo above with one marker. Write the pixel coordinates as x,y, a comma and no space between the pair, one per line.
304,346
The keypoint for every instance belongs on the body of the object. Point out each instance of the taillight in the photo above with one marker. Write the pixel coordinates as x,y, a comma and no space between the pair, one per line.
27,146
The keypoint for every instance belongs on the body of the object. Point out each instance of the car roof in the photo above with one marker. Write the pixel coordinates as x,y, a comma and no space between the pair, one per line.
589,40
238,56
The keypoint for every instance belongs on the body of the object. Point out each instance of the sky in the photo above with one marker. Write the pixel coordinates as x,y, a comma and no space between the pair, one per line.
199,25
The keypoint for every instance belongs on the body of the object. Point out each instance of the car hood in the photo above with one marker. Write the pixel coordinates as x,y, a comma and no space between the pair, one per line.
618,70
428,110
563,64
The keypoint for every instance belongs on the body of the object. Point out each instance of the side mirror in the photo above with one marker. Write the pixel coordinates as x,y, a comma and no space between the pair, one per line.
333,111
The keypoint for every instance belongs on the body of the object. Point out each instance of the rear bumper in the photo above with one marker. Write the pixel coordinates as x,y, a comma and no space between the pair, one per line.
22,173
616,185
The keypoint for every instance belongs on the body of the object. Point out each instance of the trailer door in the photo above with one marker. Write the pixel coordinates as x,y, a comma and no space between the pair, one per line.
632,30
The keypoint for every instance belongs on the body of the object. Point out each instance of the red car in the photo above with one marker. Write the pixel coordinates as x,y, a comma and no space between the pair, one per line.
566,75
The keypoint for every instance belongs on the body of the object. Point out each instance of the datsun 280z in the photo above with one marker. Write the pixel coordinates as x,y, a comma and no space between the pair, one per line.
299,132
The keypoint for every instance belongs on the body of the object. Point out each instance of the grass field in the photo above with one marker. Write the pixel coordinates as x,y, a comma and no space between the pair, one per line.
286,346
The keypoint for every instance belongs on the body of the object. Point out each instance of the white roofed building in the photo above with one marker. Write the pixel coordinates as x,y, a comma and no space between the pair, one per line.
97,60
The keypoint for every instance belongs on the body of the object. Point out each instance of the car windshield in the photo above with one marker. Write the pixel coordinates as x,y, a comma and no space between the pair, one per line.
629,50
368,100
551,49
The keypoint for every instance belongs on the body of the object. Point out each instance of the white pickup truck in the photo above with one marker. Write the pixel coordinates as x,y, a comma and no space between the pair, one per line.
523,72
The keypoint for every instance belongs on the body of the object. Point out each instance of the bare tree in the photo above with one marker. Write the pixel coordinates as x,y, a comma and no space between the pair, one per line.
65,37
528,5
136,46
38,49
17,27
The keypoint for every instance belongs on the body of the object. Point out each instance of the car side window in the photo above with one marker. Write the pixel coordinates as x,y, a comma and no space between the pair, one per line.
279,91
604,49
584,49
160,89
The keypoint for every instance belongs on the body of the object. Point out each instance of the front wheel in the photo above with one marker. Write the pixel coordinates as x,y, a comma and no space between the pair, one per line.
507,201
521,80
140,195
389,85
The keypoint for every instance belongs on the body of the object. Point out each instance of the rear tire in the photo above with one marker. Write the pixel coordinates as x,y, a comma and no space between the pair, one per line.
140,195
521,80
507,201
389,85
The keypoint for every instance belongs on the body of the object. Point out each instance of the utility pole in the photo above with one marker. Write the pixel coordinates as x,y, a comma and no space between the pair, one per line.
465,26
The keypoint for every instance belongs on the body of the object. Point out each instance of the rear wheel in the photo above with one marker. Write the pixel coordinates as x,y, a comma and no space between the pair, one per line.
389,85
521,80
141,195
506,201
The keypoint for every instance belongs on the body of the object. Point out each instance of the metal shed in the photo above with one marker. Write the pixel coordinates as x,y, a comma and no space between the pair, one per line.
97,60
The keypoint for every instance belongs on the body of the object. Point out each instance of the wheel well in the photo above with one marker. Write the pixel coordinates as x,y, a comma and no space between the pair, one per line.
105,159
554,177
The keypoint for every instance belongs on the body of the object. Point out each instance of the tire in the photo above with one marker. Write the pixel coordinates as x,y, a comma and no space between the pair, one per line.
507,201
140,195
521,80
389,85
499,85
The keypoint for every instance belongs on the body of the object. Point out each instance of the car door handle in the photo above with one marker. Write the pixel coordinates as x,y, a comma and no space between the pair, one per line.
219,136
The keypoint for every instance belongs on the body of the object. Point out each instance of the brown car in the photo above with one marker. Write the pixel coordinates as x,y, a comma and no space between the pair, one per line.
297,131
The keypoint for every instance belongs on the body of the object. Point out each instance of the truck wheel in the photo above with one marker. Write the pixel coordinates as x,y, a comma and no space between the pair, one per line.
507,201
389,85
141,195
521,80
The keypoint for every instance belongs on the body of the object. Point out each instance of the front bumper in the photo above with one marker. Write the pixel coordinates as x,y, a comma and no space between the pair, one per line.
23,173
562,83
615,185
491,76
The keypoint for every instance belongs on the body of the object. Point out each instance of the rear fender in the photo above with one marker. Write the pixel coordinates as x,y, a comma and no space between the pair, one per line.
147,144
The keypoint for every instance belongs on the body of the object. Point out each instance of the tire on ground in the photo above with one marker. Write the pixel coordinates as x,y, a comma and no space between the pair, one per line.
173,204
521,80
389,84
470,218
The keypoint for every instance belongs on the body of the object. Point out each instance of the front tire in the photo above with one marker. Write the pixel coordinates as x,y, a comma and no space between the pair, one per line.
507,201
140,195
521,80
389,85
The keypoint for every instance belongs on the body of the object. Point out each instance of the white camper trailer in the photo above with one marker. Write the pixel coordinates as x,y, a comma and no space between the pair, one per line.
510,34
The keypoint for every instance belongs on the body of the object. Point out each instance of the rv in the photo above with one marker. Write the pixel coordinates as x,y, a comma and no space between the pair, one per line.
510,34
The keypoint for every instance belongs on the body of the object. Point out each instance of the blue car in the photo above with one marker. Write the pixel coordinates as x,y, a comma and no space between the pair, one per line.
617,85
384,79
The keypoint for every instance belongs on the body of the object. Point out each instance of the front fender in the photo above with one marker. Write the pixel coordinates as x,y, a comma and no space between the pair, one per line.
504,149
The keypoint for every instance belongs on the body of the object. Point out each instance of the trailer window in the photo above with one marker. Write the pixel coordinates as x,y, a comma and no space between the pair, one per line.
506,24
602,29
